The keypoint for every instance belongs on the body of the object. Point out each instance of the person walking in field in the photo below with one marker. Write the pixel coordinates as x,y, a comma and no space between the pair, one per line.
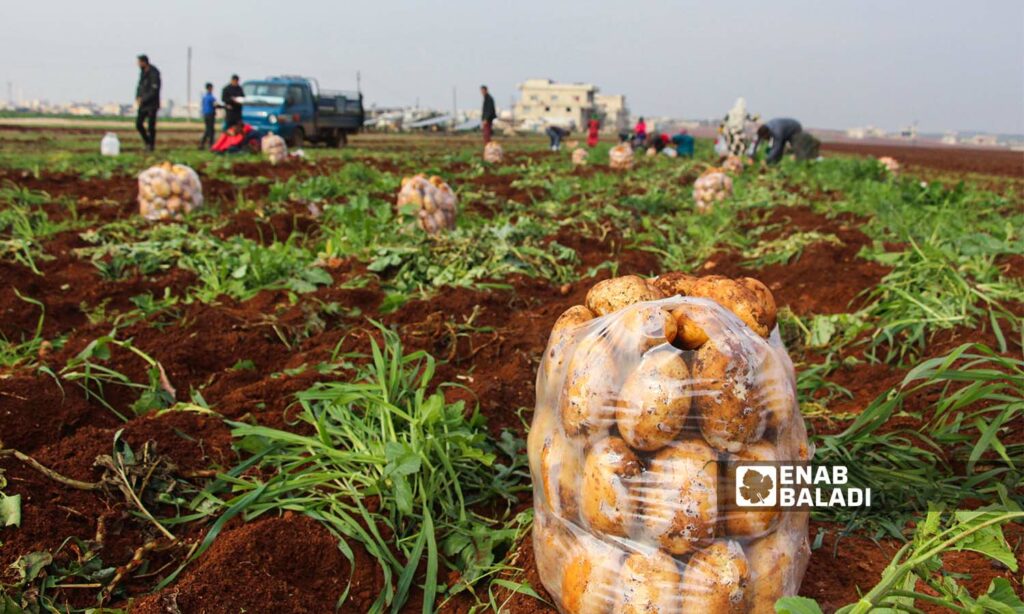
782,131
147,98
209,107
592,128
230,96
487,114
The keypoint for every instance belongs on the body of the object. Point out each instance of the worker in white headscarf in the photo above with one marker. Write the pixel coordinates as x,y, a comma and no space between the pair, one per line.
734,128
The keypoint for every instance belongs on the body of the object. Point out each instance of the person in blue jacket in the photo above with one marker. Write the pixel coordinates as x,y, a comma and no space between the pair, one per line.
209,108
782,131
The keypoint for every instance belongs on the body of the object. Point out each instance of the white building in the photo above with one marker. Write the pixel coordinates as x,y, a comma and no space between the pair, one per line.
543,101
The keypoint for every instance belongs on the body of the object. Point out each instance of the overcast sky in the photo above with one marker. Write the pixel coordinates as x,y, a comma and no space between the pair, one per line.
832,64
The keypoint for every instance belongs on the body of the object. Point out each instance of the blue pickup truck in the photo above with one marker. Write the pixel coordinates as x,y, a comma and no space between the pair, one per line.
298,110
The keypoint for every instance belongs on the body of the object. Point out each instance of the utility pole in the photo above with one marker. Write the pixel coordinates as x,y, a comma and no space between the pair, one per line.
10,93
359,82
188,86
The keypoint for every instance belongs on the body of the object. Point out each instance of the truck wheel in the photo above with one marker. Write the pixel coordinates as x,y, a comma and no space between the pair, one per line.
298,137
340,138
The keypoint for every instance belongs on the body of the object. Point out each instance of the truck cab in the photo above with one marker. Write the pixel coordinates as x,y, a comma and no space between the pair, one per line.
298,110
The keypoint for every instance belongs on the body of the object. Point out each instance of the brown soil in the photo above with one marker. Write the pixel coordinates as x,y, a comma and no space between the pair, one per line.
954,159
825,279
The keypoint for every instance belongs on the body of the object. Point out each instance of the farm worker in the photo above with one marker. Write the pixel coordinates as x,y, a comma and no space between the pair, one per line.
487,114
232,105
555,135
147,97
684,143
209,107
592,127
640,132
237,138
783,131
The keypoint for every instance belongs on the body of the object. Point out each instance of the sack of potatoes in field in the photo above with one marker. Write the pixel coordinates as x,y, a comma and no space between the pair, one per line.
711,187
648,395
733,164
620,157
493,153
169,191
579,156
274,148
890,164
436,202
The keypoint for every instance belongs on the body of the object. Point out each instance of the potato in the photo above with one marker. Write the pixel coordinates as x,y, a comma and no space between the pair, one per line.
689,334
590,580
755,521
772,570
725,398
608,504
552,546
765,296
679,494
161,188
675,283
588,402
655,400
650,585
716,580
560,474
740,299
775,392
613,294
642,327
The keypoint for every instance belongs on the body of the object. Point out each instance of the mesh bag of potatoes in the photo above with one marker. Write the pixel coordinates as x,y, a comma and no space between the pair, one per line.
890,164
621,157
493,153
579,156
274,148
436,202
169,191
646,396
733,164
711,187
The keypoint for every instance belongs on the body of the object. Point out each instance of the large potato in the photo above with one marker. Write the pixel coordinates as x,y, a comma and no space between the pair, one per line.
560,340
642,327
552,546
655,400
749,521
689,334
725,399
772,570
560,474
679,494
766,298
739,298
675,283
650,585
608,503
588,401
591,577
716,580
613,294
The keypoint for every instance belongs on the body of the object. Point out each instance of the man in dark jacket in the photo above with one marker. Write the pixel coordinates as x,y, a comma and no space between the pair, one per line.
783,130
487,115
232,106
147,97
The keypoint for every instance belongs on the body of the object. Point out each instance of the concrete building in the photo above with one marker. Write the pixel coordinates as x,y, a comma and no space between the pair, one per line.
612,108
542,101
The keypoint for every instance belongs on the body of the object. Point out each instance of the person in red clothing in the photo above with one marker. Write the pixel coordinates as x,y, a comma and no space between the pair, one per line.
237,138
592,127
640,130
